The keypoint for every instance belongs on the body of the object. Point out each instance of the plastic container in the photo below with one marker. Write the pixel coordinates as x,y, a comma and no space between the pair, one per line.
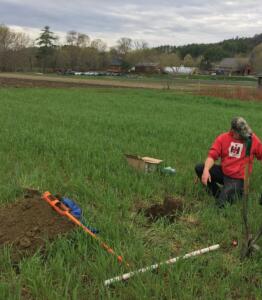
168,171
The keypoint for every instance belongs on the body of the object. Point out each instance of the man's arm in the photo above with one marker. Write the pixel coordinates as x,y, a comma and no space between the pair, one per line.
258,147
213,154
206,175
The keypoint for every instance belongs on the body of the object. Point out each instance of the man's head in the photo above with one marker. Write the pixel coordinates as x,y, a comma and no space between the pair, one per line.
240,127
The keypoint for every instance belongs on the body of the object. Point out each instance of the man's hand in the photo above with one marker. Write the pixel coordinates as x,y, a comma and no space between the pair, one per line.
206,177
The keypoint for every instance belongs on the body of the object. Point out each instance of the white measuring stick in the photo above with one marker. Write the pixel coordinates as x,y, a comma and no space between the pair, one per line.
153,267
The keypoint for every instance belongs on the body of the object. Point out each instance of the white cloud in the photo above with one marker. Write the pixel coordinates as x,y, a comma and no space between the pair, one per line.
158,22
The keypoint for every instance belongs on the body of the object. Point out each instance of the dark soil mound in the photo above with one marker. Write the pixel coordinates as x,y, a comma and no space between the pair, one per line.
28,223
171,208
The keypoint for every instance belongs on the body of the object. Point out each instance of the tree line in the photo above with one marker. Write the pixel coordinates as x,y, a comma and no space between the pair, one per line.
47,54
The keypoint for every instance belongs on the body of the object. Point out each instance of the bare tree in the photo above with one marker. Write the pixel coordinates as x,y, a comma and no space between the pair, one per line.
140,44
124,45
6,38
12,49
83,40
77,39
74,50
99,45
71,38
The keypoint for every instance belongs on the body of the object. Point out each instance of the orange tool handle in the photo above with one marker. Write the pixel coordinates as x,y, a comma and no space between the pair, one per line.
57,205
64,211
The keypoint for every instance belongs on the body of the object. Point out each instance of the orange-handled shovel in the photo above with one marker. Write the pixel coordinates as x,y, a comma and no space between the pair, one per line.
63,210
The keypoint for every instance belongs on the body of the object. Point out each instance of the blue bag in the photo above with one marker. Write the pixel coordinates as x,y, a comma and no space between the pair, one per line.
76,211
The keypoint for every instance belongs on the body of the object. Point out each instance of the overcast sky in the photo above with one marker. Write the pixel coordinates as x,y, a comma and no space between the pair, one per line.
173,22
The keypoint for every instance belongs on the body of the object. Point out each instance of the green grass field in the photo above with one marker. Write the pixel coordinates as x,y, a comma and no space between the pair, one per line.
72,141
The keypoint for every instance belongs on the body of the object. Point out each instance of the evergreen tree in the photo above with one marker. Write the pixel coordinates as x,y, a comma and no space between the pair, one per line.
46,44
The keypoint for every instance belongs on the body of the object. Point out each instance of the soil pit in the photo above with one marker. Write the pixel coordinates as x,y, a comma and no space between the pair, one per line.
28,223
170,209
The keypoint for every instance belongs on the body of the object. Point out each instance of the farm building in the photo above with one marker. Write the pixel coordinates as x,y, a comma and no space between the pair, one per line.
147,68
116,66
179,70
234,66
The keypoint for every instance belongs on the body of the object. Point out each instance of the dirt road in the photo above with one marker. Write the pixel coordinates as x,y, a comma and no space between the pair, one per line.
21,80
35,80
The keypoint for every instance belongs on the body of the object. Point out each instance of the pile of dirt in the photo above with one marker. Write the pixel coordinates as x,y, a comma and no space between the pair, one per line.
170,209
28,223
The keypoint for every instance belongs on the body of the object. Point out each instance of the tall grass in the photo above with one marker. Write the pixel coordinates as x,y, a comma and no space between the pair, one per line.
72,141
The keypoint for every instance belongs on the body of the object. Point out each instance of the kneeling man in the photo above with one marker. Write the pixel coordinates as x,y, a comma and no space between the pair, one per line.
231,148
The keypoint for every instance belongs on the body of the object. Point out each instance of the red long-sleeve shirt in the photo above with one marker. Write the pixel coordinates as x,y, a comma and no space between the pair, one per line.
232,153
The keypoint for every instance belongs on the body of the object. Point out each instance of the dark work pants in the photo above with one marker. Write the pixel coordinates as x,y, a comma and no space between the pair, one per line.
232,188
